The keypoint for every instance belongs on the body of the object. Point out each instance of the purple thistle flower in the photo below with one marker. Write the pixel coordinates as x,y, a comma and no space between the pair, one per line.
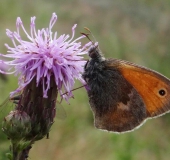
43,55
47,65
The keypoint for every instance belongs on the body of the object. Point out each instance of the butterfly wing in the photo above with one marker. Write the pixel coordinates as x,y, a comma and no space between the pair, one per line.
121,116
116,104
153,87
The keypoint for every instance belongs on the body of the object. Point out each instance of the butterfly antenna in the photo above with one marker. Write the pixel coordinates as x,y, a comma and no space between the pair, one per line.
90,33
87,35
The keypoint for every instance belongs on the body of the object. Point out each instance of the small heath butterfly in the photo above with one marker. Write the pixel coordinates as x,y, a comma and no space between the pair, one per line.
123,95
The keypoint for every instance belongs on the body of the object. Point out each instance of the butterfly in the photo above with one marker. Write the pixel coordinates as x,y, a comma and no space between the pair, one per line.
123,95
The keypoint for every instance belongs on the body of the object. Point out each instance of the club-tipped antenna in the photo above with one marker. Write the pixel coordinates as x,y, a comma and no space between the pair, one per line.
87,35
90,33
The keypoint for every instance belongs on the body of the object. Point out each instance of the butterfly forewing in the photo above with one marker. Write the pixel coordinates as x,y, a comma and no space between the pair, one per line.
153,87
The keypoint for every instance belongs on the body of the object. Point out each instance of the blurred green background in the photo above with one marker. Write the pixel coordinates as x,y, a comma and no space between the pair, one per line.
133,30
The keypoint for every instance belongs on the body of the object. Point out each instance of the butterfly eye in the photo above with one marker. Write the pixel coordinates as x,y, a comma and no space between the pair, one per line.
162,92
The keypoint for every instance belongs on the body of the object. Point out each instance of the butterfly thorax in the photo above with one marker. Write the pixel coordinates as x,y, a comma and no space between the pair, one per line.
104,84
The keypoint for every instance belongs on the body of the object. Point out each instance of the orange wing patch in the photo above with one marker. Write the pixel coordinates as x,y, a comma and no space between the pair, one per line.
153,87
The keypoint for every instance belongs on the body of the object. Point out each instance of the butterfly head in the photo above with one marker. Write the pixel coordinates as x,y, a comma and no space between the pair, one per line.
94,53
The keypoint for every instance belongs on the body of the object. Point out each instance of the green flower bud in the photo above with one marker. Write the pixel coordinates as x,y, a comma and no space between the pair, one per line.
16,125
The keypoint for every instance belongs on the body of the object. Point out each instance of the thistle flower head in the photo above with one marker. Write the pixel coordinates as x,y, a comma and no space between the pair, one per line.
45,55
16,125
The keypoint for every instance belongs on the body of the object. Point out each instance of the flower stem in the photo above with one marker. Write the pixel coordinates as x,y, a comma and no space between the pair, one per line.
20,155
32,118
16,153
24,153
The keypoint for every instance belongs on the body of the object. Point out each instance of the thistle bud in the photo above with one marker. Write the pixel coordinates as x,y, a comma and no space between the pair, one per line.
16,125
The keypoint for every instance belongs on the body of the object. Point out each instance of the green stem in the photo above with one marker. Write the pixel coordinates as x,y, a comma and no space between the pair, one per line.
16,153
24,153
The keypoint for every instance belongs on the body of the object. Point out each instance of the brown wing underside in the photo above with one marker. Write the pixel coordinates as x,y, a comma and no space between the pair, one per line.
149,84
122,117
